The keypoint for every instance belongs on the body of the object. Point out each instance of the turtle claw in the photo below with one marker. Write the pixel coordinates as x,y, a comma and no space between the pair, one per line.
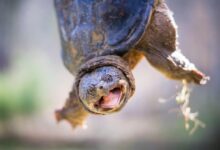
176,66
199,77
75,117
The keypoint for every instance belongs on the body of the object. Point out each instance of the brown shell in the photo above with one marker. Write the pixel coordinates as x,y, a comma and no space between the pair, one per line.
91,28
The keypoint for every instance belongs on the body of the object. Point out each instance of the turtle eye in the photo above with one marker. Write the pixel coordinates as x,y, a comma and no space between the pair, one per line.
107,78
91,90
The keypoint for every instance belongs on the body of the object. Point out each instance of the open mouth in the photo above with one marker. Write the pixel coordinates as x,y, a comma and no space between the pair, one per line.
110,101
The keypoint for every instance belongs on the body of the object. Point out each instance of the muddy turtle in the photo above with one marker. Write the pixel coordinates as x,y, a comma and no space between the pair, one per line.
103,40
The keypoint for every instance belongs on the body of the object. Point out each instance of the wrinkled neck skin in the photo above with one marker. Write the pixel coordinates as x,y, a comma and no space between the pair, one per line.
104,84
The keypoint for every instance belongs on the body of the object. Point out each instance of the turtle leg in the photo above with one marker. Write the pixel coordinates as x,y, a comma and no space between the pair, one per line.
159,46
73,111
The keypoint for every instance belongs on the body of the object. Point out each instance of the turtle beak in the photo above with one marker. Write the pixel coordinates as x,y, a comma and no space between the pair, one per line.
111,100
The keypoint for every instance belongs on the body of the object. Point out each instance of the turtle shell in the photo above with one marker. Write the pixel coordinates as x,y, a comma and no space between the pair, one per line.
91,28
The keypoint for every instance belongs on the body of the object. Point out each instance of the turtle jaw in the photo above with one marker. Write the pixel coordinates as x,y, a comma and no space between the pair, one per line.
111,102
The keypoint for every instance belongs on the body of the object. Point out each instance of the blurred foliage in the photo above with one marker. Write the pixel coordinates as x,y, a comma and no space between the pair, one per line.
17,100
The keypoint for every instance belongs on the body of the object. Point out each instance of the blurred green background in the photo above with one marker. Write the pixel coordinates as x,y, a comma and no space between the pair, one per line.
34,82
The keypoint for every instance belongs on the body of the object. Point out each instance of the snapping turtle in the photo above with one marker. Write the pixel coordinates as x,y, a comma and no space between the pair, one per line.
103,40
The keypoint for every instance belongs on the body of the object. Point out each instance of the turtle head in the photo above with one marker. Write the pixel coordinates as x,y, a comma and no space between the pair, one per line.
104,84
104,90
